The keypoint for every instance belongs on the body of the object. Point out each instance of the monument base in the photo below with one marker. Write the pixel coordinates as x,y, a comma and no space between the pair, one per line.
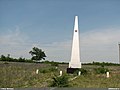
72,70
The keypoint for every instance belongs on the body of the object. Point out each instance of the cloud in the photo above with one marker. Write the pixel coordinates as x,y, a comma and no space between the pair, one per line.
13,37
98,37
58,51
18,44
14,42
100,45
95,45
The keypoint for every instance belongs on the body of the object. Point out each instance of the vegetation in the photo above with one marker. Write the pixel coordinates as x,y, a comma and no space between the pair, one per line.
17,74
102,64
37,54
48,70
41,55
60,81
54,63
97,81
82,70
10,59
101,70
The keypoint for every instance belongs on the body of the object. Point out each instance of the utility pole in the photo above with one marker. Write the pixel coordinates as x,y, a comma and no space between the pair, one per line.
119,52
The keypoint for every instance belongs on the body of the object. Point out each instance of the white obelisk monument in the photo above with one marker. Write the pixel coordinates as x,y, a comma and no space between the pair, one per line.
75,54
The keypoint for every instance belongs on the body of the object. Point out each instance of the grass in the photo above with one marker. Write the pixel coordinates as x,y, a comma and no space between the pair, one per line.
90,81
16,74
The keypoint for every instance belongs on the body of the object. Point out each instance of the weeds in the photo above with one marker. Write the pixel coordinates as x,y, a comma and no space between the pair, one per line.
101,70
60,81
23,75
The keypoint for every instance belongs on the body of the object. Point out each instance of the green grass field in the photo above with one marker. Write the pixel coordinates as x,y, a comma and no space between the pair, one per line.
15,75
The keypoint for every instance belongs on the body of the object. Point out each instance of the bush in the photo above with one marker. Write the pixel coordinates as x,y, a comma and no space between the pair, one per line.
60,81
21,59
10,59
29,61
53,69
101,70
83,71
104,64
43,71
3,58
46,62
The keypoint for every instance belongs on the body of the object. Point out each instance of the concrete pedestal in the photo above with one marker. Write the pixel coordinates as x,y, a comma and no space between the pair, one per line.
72,70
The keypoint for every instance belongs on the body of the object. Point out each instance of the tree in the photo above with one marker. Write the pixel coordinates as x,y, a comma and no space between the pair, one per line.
20,59
37,54
3,58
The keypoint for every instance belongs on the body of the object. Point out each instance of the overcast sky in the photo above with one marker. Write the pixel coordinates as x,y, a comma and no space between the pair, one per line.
48,24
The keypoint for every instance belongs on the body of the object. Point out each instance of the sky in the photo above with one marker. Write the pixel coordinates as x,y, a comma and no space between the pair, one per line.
48,24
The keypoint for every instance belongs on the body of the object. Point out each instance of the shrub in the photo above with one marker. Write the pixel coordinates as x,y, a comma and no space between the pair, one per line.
43,71
53,69
83,71
29,61
3,58
46,62
10,59
101,70
21,59
104,64
60,81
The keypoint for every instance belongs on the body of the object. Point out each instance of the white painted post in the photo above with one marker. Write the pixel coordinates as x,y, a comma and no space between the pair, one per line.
108,74
56,67
37,71
60,73
79,73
